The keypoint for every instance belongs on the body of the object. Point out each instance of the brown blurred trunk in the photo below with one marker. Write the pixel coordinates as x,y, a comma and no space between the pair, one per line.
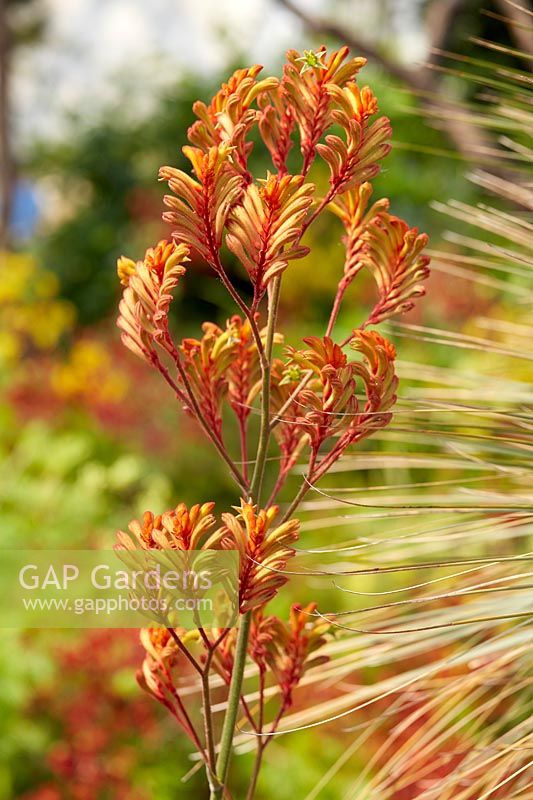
519,17
469,140
6,167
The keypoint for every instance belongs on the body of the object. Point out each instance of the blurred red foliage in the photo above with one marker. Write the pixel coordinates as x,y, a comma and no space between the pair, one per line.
97,746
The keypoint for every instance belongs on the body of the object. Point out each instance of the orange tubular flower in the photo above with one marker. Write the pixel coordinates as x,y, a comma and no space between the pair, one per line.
379,378
355,160
264,551
159,657
265,231
263,631
352,209
262,222
330,407
163,654
329,404
206,362
244,369
223,363
177,529
310,93
148,294
276,124
292,647
159,644
393,255
380,382
229,116
201,207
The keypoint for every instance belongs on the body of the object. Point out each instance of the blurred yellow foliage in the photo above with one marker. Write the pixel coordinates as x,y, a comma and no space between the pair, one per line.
89,371
32,317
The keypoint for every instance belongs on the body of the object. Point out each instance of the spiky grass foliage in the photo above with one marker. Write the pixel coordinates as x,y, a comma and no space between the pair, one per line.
430,554
432,672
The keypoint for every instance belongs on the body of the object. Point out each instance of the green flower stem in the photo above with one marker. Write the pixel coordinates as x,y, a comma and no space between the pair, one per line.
230,719
264,436
241,647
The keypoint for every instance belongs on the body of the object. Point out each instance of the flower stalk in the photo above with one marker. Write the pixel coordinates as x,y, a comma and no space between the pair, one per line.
309,400
228,730
264,434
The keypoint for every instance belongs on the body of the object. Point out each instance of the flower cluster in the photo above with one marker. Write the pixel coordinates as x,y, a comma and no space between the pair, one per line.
329,408
264,548
265,228
288,648
146,298
313,400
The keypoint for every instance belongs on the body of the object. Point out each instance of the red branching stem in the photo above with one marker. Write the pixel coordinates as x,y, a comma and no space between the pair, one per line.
261,700
262,743
249,313
218,641
206,703
275,723
195,407
245,707
304,488
328,197
248,714
181,720
204,637
280,481
181,647
286,465
320,469
209,756
186,722
181,713
352,268
190,401
167,376
344,283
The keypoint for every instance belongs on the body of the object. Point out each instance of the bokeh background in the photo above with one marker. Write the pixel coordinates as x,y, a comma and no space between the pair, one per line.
96,95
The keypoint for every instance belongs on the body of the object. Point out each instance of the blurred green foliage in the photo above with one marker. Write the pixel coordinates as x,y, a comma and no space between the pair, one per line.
70,488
